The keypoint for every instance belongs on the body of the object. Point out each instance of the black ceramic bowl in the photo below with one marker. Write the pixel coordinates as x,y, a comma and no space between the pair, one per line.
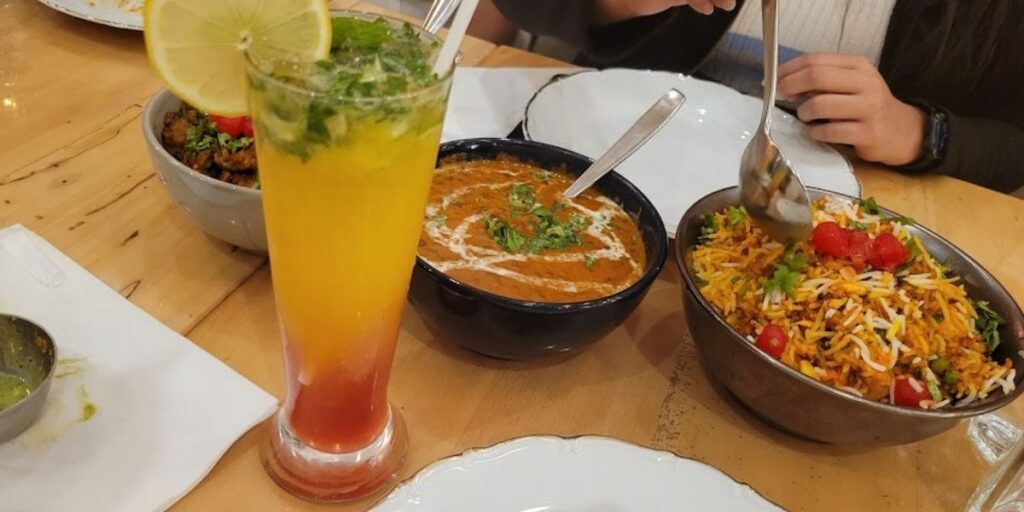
515,329
795,403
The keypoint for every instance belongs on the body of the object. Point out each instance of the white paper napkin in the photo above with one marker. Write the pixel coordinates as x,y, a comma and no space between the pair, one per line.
490,102
165,410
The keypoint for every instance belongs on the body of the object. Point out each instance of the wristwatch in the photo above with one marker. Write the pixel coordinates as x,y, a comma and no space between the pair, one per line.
936,137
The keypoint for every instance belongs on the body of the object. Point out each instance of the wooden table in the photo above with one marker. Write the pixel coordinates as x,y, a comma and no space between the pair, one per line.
73,169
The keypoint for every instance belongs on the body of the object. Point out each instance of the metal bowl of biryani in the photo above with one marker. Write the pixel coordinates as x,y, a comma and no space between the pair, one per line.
27,361
209,168
875,332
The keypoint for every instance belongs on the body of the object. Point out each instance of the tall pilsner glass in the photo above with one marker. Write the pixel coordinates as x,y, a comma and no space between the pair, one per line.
345,181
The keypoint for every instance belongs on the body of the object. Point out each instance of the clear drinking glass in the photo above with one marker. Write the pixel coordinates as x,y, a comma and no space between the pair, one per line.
345,181
1000,443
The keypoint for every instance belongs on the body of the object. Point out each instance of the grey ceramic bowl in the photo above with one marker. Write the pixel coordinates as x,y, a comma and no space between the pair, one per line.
27,352
802,406
224,211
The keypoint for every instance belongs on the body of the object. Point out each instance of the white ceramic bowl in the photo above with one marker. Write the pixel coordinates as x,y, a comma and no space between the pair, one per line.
224,211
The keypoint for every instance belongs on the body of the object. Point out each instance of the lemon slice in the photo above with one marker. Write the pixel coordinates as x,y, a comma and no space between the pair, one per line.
198,46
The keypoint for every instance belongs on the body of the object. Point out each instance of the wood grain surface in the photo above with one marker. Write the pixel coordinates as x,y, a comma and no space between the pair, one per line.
73,168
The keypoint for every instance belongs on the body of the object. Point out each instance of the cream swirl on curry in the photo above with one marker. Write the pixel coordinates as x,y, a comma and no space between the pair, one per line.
503,226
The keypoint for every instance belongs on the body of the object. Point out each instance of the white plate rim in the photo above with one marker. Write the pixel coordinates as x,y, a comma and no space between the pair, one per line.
563,76
53,4
426,471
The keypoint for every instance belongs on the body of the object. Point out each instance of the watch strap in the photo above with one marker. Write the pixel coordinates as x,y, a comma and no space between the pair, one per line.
936,138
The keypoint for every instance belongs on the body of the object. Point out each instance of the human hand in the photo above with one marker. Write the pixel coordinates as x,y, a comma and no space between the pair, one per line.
849,94
607,12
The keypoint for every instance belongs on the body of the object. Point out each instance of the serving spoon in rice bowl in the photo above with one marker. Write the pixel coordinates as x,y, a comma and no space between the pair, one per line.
769,189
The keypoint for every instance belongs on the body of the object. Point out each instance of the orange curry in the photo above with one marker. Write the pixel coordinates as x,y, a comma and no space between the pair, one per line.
503,226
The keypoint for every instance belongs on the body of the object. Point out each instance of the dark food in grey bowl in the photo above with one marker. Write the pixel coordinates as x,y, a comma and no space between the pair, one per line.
196,140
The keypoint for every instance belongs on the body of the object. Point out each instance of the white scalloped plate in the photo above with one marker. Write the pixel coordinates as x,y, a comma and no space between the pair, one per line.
585,474
696,153
126,14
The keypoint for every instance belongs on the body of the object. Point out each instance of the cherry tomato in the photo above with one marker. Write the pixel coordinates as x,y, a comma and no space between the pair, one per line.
831,239
909,392
860,249
247,126
888,253
773,340
229,125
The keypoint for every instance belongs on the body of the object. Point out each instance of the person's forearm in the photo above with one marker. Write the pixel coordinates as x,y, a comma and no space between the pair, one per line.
489,24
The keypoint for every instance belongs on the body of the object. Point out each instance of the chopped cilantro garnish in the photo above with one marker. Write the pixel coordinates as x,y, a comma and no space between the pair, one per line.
201,137
521,198
735,215
708,227
551,233
440,220
226,141
870,206
906,221
988,323
794,260
543,176
859,226
787,273
589,261
701,283
784,280
507,237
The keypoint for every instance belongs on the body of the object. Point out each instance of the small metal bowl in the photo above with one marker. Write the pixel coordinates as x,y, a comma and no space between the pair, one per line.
794,403
26,352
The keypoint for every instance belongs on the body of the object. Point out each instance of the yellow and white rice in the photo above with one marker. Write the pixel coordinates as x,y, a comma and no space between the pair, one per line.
856,331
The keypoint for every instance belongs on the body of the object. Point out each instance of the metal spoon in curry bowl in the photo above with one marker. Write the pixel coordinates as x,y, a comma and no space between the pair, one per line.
769,189
636,136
